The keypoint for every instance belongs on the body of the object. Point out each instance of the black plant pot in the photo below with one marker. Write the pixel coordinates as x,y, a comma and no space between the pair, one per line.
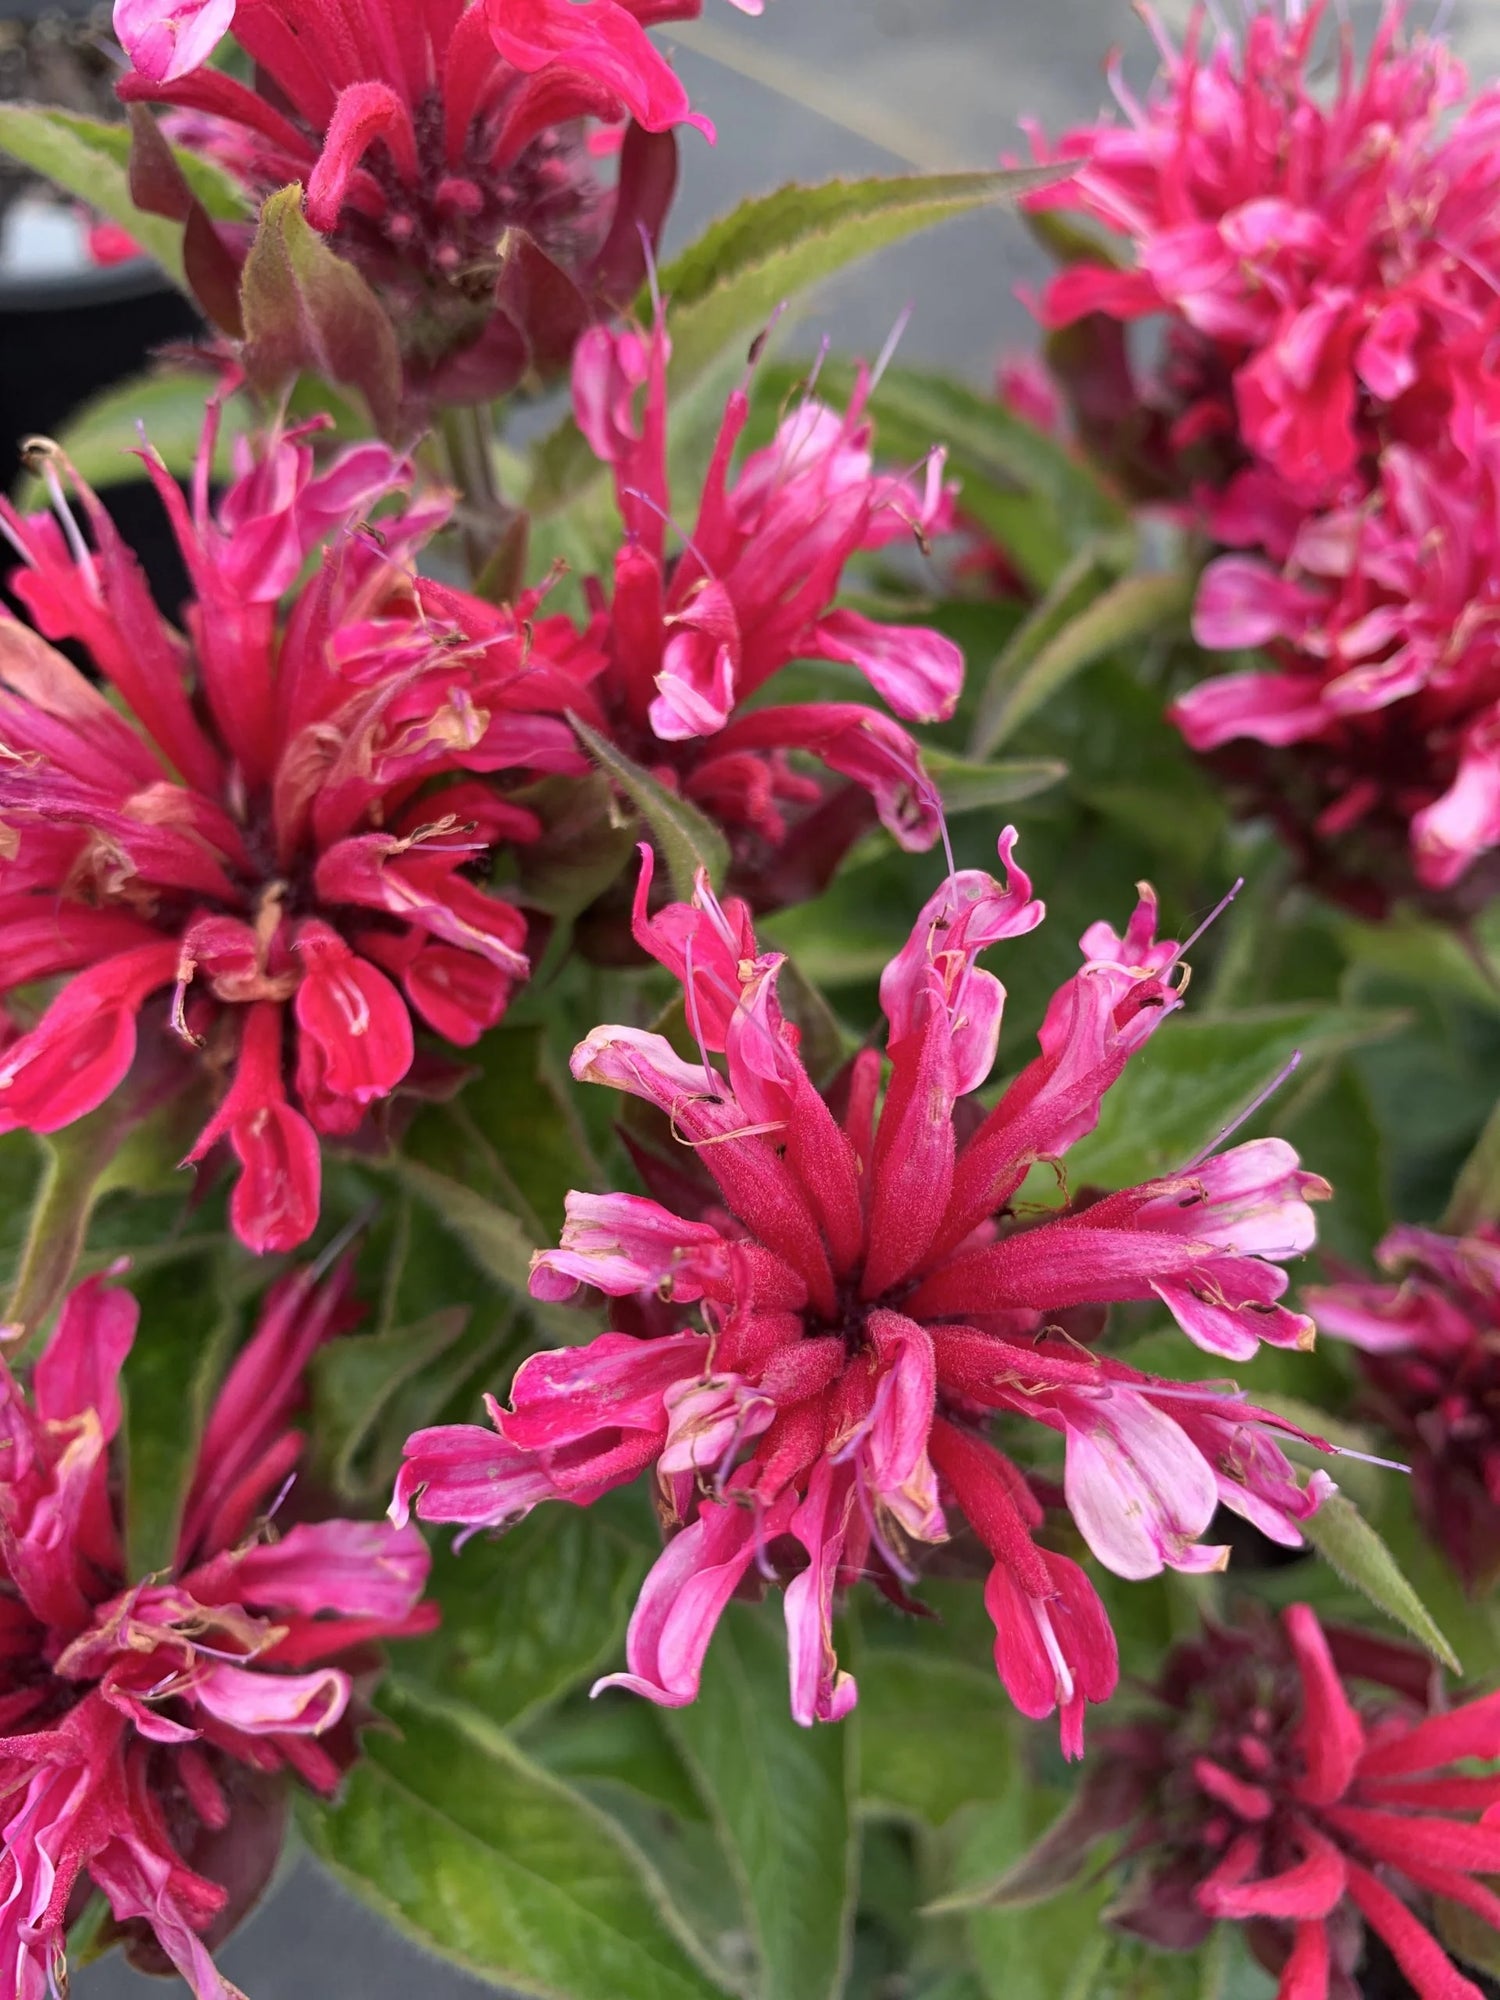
71,328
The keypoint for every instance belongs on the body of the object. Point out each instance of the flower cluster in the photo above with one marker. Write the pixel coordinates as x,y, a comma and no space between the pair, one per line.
1325,262
689,638
818,1354
148,1724
1255,1790
1431,1371
269,833
448,150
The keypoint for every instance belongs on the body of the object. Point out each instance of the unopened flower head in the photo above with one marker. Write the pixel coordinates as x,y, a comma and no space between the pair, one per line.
1429,1341
820,1347
271,833
149,1723
1295,1779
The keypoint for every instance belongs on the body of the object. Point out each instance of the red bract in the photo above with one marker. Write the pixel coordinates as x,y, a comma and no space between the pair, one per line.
272,829
1326,263
147,1726
443,149
690,637
1256,1790
827,1340
1432,1372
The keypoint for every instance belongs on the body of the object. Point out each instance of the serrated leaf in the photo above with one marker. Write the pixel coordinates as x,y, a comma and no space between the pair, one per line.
781,1797
1195,1076
1345,1539
90,158
1131,611
723,288
306,308
968,786
686,839
528,1615
169,1381
464,1844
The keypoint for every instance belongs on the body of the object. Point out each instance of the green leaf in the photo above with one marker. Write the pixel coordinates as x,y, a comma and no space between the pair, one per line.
103,435
464,1844
90,159
529,1614
359,1382
934,1735
114,1148
1031,492
965,786
1476,1193
686,839
781,1799
1130,612
723,288
497,1240
1080,582
1196,1075
1341,1534
1051,1951
306,308
169,1381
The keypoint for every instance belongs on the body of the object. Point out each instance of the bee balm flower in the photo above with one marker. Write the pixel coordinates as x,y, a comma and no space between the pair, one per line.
829,1342
149,1724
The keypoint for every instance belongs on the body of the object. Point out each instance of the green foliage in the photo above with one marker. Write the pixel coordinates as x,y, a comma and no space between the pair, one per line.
462,1842
722,289
1342,1535
90,159
782,1800
686,839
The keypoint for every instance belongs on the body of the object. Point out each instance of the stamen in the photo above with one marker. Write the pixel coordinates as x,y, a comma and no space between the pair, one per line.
1262,1097
1053,1650
1212,918
894,338
655,507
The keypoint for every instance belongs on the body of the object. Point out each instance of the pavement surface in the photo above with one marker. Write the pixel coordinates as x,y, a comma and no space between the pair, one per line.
814,88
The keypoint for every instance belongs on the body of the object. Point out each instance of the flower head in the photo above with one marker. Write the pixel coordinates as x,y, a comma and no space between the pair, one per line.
445,149
1431,1366
820,1351
689,637
270,835
1257,1789
149,1723
1325,263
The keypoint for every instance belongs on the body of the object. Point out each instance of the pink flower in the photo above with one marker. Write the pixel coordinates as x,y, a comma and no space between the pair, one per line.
1324,261
443,150
260,841
818,1353
148,1726
1321,256
689,637
1256,1789
1426,1340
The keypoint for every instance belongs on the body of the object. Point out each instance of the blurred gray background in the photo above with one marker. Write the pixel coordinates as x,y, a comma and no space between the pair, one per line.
813,89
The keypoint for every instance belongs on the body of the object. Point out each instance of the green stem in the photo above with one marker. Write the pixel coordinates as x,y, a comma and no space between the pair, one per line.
468,445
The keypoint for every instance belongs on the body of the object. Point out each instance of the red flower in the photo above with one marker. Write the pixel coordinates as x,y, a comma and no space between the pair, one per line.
690,638
443,150
255,832
1432,1373
1256,1791
147,1726
870,1301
